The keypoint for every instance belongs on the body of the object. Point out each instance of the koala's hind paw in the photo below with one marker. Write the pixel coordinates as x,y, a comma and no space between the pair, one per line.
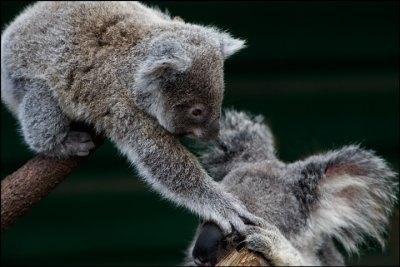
79,143
74,144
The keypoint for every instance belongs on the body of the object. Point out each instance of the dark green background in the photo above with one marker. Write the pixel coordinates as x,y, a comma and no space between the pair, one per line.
324,74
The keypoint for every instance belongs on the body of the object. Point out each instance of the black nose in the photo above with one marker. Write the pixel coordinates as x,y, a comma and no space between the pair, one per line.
207,245
201,262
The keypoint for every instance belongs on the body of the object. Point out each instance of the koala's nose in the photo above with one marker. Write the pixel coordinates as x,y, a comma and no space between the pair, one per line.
207,244
201,262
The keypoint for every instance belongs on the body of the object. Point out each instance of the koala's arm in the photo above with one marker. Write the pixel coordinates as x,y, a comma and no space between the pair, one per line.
171,169
347,193
243,138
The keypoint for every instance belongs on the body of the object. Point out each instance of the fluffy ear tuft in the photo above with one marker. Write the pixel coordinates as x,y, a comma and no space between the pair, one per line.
349,193
229,45
163,67
166,58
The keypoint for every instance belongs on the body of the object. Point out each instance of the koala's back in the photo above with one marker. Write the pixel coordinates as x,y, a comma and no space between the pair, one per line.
262,179
261,188
50,38
51,29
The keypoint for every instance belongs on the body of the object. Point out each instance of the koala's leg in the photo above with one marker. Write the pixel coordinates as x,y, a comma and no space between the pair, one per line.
274,246
46,128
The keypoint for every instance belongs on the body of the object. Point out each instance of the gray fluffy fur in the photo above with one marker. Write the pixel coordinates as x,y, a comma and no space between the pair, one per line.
344,194
135,74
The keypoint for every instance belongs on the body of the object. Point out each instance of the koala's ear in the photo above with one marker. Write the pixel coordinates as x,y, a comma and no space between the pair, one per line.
347,193
165,59
229,45
164,67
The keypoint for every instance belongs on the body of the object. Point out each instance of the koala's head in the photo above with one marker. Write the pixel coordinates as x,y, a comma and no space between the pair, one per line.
180,82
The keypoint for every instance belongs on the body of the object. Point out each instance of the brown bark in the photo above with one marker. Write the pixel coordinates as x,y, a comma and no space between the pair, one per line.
243,257
32,182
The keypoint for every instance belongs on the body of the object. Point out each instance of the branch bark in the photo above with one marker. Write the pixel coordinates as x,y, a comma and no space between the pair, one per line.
21,190
243,257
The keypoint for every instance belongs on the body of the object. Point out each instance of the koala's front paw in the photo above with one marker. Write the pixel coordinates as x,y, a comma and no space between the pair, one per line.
234,217
74,144
273,246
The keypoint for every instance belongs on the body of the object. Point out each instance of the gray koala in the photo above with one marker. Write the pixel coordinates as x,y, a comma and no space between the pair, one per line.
343,194
137,76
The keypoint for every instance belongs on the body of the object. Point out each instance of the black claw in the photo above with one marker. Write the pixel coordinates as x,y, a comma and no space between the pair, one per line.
233,228
246,221
241,245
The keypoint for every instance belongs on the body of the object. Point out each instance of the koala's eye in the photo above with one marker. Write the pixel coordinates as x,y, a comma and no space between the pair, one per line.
197,111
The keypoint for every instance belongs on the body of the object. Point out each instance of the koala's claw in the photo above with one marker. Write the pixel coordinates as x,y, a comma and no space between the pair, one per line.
74,144
237,220
78,137
247,220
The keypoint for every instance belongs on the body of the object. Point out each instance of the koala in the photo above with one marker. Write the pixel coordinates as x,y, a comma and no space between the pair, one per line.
344,195
138,77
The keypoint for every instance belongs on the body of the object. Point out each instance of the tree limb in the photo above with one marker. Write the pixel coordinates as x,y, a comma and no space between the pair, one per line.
33,181
243,257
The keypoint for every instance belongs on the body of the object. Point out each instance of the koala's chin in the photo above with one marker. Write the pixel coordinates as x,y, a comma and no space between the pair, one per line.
200,132
197,134
204,133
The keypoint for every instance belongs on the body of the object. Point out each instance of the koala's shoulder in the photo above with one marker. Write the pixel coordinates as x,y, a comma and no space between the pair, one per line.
251,176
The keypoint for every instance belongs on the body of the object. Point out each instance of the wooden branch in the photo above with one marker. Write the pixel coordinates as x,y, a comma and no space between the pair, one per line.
33,181
243,257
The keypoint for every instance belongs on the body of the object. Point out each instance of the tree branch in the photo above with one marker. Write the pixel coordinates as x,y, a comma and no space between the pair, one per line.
243,257
33,181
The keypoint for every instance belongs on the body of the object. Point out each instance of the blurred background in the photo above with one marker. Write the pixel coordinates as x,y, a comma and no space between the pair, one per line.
324,74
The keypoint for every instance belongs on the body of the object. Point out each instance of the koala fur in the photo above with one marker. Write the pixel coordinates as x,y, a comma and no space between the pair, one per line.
343,194
138,76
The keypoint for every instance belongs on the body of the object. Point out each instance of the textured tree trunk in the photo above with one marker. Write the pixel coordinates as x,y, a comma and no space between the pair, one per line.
32,182
243,257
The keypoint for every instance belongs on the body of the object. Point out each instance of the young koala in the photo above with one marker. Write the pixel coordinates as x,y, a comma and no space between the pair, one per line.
343,194
137,76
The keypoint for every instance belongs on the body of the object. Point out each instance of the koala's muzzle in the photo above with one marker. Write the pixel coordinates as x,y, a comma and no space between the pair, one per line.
213,130
205,133
205,251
